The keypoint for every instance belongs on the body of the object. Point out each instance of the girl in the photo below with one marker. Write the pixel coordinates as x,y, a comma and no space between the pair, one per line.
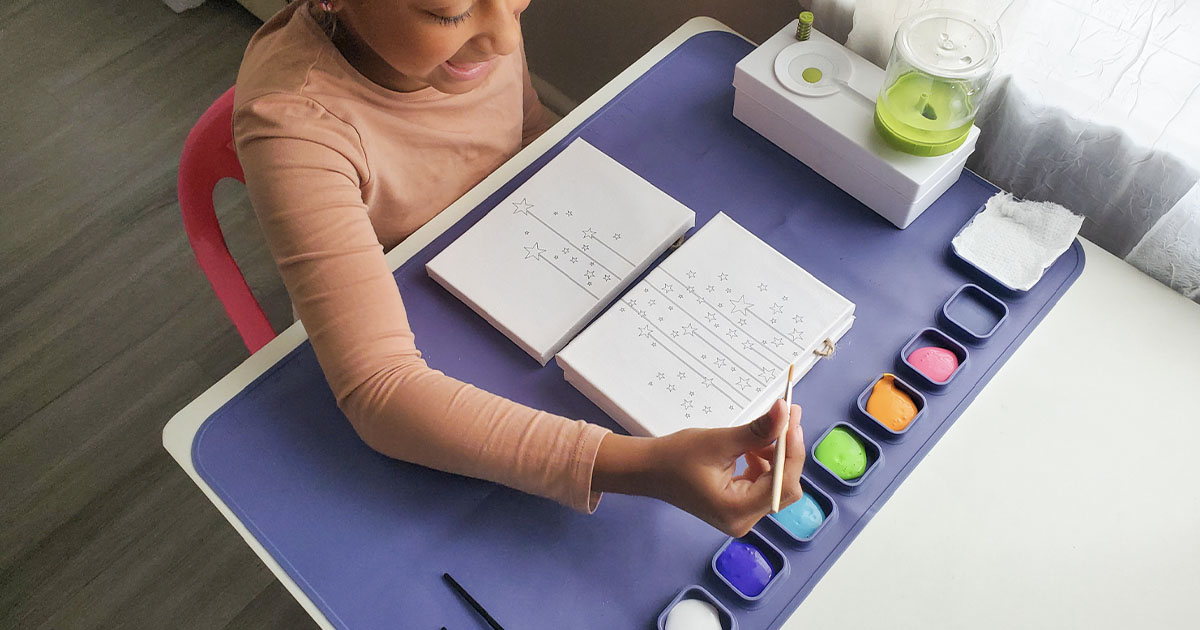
356,121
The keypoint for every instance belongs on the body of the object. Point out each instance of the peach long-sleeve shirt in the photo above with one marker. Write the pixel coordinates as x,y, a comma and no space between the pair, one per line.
339,169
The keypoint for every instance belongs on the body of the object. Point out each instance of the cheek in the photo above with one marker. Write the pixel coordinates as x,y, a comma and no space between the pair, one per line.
419,49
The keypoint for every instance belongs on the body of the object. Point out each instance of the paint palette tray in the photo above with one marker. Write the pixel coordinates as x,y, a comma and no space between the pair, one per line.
888,433
823,500
731,564
367,538
973,314
695,591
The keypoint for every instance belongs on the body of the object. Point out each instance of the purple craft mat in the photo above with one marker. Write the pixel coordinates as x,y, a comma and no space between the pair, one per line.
368,538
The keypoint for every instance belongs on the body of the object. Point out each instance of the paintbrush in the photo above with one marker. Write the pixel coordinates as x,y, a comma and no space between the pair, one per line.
781,445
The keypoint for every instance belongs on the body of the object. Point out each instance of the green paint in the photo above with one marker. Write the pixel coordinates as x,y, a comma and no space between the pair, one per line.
812,75
843,453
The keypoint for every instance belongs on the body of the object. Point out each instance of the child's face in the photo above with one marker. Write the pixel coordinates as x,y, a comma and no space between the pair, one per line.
448,44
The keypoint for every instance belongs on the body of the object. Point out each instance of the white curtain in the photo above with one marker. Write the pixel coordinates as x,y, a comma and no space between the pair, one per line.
1095,104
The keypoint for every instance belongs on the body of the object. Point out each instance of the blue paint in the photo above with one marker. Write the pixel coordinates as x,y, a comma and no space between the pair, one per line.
745,567
802,518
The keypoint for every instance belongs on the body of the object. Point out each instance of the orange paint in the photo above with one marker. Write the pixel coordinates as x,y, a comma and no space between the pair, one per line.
889,405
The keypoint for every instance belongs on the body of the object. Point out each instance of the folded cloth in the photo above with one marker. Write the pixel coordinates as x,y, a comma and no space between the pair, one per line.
1015,241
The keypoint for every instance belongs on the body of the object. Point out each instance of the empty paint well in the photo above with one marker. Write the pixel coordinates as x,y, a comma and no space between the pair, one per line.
830,459
698,593
751,567
932,338
973,314
885,426
798,521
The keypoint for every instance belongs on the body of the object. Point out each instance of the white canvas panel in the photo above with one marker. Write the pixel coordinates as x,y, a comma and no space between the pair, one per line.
705,339
553,254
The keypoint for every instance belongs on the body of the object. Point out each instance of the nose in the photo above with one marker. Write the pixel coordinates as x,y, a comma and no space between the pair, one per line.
500,32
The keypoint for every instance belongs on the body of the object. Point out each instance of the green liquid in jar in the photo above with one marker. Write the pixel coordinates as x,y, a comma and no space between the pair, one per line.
924,116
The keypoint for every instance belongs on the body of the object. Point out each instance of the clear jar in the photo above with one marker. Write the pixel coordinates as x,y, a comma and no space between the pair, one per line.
940,65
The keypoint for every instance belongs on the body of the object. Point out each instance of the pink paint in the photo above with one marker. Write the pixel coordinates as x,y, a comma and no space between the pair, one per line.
936,363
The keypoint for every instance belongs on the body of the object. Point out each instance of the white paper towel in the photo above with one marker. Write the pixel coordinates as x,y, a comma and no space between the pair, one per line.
1015,241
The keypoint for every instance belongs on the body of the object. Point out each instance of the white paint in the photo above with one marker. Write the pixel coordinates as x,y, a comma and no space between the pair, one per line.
693,614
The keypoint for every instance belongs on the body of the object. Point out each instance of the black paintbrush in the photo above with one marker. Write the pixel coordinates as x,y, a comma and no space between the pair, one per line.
462,592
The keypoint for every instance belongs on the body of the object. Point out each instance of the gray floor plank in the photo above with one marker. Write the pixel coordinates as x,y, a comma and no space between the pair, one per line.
107,326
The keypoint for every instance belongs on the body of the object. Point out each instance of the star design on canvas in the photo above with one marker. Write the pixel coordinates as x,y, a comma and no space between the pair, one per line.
711,317
799,319
762,286
776,308
686,404
589,233
740,305
723,277
533,251
644,331
731,333
797,334
691,274
616,237
521,207
743,383
719,362
589,274
764,374
689,329
706,381
707,409
747,345
670,387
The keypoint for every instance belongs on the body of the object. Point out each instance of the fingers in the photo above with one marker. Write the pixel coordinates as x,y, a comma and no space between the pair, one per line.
756,465
759,433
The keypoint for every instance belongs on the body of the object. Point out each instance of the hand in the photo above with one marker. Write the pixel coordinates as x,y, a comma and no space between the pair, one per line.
693,469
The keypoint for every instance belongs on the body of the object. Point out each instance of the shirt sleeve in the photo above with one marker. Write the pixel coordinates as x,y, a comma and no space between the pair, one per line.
304,168
537,118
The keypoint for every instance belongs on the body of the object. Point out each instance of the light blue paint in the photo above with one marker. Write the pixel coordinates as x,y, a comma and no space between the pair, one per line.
803,517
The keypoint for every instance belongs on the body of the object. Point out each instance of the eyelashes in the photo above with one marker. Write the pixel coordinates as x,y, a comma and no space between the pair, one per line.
451,20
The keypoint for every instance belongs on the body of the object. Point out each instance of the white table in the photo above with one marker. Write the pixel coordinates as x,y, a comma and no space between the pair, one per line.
1041,507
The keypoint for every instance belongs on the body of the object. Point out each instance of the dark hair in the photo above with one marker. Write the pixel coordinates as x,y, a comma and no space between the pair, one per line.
325,19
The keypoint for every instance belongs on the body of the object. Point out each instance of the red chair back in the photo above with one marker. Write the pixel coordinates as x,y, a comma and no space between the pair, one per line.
208,157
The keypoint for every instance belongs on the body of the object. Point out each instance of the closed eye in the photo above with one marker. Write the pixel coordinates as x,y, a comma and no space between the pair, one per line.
451,20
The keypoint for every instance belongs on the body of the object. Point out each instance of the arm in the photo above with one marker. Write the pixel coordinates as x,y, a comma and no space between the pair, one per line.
304,168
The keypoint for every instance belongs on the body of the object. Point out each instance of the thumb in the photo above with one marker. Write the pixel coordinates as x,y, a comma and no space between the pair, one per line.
761,432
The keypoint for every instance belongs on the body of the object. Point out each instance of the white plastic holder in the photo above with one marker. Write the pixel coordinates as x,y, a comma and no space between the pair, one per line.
827,122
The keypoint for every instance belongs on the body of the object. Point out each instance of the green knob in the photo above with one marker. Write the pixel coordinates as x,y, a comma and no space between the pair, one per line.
804,28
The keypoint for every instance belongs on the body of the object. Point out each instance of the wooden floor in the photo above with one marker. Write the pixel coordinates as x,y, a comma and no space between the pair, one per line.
107,326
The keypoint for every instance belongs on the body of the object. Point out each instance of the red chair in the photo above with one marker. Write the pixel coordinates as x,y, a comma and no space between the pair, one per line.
208,157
